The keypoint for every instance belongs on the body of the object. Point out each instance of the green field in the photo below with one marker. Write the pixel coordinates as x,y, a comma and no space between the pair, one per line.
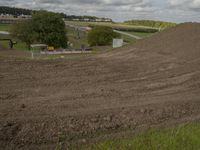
5,27
141,34
128,39
151,23
110,24
19,46
184,137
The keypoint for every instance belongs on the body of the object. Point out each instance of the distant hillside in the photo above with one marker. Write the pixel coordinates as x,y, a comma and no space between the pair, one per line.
86,18
5,10
150,23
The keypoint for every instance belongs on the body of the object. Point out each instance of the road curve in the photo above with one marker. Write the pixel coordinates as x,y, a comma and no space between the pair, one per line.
130,35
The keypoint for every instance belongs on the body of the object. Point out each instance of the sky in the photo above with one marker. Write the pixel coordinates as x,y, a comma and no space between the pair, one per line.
119,10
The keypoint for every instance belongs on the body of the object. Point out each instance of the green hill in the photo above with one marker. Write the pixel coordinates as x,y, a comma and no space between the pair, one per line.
150,23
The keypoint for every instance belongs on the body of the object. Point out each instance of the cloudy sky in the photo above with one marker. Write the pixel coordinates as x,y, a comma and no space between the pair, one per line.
119,10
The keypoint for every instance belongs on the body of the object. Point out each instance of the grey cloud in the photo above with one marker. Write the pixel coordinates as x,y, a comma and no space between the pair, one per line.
192,5
48,1
168,10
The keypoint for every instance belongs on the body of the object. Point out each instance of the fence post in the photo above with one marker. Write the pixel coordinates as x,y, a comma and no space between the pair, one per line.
32,55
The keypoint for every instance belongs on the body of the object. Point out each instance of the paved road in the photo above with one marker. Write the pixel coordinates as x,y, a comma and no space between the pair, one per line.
130,35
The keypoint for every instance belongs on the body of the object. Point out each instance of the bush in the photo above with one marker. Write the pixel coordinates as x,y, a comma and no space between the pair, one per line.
100,36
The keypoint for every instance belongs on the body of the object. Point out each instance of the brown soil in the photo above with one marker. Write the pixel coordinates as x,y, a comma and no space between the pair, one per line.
14,54
155,82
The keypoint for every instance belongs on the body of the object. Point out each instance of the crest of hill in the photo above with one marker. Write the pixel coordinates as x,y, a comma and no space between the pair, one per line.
182,42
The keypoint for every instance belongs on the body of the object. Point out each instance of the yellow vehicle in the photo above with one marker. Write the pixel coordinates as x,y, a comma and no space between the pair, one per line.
50,48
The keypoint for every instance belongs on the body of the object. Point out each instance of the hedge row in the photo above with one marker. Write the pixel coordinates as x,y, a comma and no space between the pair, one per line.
131,29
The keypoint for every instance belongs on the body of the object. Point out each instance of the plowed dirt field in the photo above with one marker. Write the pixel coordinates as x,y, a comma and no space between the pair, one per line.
155,82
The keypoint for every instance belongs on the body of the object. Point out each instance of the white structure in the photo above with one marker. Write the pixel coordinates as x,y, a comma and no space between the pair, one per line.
5,32
76,19
86,19
37,46
117,43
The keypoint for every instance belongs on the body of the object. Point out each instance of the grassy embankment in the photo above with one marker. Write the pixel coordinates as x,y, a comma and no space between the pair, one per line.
113,25
150,23
183,137
140,31
5,27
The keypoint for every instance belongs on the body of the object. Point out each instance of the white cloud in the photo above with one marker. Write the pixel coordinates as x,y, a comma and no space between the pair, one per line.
195,4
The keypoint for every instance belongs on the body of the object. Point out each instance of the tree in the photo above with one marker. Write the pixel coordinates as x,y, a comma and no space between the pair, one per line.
44,27
25,32
100,36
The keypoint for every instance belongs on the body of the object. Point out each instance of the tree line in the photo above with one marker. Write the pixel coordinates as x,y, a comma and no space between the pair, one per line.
150,23
21,11
71,17
14,11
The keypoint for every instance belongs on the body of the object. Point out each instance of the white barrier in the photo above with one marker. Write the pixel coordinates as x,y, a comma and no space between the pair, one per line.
117,43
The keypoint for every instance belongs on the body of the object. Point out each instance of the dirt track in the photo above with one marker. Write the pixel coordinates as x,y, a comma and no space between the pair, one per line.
155,82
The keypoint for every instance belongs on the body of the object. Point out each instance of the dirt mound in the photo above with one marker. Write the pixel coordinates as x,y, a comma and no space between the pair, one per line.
151,84
181,41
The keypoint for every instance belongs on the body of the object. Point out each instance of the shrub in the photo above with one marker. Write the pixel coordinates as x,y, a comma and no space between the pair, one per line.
100,36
